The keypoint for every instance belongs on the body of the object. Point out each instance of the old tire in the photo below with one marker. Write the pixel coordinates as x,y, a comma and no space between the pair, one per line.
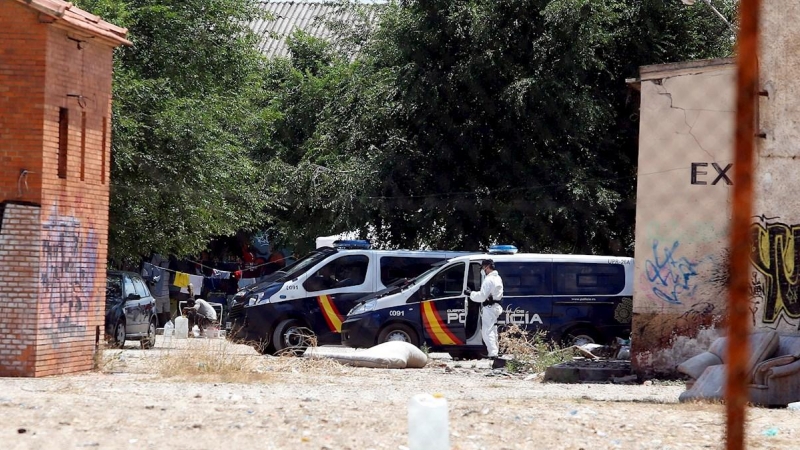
149,341
290,337
398,332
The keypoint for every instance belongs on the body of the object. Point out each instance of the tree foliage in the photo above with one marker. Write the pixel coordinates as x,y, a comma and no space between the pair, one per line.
507,121
441,123
184,125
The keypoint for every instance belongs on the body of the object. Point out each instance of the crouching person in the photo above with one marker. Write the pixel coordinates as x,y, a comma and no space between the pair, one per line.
201,314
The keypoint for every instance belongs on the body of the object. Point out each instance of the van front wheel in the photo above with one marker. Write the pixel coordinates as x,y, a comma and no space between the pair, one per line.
398,332
290,337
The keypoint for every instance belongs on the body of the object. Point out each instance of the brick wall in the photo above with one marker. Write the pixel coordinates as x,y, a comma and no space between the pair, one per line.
22,75
63,139
19,256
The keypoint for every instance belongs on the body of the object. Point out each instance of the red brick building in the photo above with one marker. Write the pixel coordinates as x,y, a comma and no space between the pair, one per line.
55,135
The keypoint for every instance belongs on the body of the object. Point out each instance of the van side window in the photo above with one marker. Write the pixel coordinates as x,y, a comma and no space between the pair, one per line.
346,271
526,278
394,268
475,276
448,283
589,279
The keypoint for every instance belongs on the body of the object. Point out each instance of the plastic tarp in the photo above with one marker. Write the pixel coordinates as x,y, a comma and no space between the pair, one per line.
389,355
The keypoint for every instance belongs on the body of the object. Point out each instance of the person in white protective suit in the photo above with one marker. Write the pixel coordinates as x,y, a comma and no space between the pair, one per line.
490,296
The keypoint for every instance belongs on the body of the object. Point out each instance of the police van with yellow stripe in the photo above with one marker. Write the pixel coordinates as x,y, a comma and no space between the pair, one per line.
573,298
307,301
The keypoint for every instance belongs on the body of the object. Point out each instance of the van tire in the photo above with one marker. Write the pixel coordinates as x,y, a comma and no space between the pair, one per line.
580,336
398,332
290,337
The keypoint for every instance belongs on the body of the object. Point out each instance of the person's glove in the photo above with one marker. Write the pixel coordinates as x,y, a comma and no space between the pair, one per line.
467,291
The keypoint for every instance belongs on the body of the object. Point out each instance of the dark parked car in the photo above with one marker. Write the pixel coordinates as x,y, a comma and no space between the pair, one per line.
130,310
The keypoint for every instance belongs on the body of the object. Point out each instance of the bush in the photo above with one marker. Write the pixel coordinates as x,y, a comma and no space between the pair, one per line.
530,352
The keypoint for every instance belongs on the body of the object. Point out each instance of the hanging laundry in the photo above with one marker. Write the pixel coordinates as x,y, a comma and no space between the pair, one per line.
197,283
182,281
220,274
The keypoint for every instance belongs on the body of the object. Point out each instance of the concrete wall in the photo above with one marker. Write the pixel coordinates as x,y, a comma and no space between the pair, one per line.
776,225
682,211
54,229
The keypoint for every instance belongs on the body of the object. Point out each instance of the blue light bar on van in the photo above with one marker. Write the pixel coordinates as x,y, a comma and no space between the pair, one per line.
502,250
354,244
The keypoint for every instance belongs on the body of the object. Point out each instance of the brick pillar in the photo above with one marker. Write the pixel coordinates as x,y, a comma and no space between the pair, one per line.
20,249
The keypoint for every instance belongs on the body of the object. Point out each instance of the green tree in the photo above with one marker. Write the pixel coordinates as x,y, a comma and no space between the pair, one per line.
508,120
184,125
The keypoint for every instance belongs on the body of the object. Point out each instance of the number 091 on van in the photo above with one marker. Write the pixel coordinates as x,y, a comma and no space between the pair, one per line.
572,298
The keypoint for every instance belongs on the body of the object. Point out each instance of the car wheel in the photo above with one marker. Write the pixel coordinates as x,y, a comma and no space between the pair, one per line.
398,332
149,341
118,339
581,336
292,338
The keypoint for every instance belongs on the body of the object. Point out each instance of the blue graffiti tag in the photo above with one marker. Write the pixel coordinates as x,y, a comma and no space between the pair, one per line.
672,277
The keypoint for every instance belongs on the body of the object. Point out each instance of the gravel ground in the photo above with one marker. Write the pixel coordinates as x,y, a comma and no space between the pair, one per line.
177,397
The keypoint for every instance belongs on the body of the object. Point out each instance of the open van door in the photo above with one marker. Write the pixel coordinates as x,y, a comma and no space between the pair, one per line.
442,307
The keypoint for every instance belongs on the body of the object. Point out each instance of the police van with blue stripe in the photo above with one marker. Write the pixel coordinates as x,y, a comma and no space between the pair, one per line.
307,301
572,298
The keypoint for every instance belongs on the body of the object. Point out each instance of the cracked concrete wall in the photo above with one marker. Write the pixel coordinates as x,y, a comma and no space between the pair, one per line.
776,223
682,211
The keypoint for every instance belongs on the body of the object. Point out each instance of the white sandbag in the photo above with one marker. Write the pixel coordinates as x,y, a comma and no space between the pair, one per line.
389,355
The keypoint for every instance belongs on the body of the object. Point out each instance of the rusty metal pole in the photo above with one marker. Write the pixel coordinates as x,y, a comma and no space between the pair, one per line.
738,351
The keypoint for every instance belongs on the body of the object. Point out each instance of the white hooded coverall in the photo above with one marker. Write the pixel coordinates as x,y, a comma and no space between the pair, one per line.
492,285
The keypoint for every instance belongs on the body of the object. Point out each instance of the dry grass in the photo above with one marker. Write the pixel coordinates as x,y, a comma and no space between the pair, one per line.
211,360
217,360
531,352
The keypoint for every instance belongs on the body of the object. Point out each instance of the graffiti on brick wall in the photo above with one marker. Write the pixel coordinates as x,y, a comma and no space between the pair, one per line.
775,255
672,278
68,275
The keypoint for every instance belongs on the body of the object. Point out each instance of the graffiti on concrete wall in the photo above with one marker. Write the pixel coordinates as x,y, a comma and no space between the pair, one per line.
68,275
775,255
672,278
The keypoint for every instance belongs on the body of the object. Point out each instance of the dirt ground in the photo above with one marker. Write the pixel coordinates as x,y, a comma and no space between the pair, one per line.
210,394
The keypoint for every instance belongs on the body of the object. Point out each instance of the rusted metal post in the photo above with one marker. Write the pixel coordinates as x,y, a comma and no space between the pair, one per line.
736,397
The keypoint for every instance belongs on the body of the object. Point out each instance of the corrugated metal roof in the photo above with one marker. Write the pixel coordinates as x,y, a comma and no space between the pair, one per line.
286,17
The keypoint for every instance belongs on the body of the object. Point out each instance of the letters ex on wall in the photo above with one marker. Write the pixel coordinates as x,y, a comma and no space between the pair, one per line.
701,175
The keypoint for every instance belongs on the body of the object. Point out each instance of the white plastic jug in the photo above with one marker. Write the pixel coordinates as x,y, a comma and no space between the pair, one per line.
181,327
428,425
169,329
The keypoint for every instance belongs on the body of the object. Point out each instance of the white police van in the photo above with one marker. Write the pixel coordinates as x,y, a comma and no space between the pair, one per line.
308,300
575,298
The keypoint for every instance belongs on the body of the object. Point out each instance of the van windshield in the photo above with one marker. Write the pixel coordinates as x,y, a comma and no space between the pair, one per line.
302,265
425,275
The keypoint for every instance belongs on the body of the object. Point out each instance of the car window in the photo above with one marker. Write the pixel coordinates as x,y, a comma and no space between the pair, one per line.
449,282
140,287
345,271
129,289
113,287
